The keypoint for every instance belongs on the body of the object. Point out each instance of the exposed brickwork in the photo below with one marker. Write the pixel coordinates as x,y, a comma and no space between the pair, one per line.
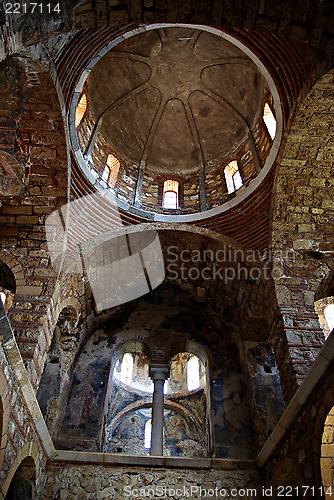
292,84
302,226
310,23
37,138
16,422
244,310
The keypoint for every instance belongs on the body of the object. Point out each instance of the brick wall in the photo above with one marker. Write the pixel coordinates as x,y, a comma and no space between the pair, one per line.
302,228
32,127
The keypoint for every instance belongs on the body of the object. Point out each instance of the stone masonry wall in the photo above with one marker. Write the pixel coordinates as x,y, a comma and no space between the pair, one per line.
303,229
97,482
306,449
17,432
32,132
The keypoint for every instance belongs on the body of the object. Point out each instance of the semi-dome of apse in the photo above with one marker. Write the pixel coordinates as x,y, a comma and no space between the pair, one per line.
176,121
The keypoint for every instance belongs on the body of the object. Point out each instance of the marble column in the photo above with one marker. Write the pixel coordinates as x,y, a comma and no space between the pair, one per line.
158,373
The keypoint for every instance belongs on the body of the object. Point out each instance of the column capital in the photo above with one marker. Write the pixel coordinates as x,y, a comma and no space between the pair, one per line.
159,372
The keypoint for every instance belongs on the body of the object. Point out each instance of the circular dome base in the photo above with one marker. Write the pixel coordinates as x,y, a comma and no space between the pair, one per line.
178,103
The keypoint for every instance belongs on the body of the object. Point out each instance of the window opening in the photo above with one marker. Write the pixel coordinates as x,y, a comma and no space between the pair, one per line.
80,111
106,173
148,434
193,375
113,165
233,177
127,368
3,297
329,316
170,194
269,120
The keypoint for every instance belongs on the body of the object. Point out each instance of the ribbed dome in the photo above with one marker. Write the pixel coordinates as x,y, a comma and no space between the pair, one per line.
175,103
175,98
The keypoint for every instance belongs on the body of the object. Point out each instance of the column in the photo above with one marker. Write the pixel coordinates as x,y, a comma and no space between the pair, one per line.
158,373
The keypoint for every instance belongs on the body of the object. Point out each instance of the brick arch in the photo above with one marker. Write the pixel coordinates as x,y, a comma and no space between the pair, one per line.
16,268
147,403
128,342
272,19
28,451
302,234
250,223
68,303
35,133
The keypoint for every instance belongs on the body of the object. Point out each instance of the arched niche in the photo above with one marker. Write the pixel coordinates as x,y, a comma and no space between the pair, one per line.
128,403
7,285
93,400
22,486
20,483
57,365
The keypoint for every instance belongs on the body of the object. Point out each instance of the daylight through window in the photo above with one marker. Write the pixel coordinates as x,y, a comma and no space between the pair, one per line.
193,375
233,177
269,120
329,316
106,173
127,368
148,434
113,165
81,108
170,195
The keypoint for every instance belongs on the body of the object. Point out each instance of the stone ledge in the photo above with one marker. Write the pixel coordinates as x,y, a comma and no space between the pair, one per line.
314,375
110,459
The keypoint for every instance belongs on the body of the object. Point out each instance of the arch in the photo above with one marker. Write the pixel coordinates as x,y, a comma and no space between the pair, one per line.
7,278
52,384
172,405
16,269
69,302
26,456
125,368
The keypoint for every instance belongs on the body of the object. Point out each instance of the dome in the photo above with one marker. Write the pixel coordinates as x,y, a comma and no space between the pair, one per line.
172,120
